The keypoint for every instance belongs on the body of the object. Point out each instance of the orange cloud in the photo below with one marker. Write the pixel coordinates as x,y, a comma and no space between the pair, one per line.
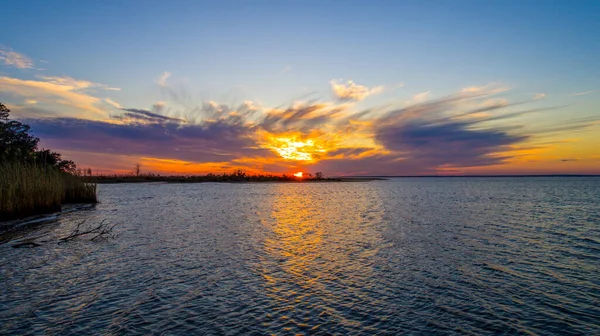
352,91
461,132
64,91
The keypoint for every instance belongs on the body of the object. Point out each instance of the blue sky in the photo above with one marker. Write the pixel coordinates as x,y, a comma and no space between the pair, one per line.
274,52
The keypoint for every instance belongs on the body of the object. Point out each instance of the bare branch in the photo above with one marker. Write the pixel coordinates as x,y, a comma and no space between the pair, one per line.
101,230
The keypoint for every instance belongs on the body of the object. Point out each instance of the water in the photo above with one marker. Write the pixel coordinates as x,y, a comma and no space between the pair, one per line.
406,256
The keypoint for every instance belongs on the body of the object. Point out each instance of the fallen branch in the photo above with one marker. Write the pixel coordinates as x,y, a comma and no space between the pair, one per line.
101,230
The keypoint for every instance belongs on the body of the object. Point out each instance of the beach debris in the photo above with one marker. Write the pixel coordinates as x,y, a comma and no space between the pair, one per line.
102,230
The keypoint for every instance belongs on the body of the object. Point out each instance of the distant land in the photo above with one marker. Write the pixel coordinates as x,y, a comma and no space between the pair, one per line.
418,176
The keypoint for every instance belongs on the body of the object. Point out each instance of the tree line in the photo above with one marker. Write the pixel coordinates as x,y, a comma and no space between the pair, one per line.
17,144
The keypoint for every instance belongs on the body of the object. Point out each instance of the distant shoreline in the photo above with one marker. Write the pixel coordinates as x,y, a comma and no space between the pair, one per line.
446,176
204,179
185,180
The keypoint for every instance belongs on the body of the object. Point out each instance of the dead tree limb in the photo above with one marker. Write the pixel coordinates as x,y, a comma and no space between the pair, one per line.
101,230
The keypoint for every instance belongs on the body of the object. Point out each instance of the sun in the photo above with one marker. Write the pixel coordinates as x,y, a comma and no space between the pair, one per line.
298,174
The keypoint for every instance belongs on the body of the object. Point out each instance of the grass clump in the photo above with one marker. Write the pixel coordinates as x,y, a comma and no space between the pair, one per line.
34,181
28,189
79,187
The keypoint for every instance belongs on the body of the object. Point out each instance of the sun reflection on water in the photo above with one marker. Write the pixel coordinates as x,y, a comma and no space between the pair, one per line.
315,252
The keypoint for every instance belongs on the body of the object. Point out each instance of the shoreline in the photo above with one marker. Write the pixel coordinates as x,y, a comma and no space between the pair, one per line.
40,218
185,180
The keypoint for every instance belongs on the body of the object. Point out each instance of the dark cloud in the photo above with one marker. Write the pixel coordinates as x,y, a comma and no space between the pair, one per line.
437,134
207,142
452,143
449,133
147,115
302,118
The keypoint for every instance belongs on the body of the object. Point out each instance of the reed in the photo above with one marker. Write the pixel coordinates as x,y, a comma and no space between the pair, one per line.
27,190
79,187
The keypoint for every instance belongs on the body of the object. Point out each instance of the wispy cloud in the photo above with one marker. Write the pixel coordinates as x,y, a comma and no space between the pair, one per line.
149,116
59,91
460,131
492,88
75,84
113,103
421,97
12,58
352,91
162,80
285,69
471,89
582,93
538,96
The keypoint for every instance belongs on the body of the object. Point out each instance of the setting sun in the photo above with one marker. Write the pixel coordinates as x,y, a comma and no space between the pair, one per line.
298,174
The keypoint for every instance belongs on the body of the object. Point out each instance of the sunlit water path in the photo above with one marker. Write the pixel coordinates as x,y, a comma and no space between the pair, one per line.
415,256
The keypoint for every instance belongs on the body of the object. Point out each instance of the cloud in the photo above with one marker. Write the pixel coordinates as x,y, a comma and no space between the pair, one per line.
75,84
538,96
162,80
12,58
352,91
113,103
443,135
468,129
421,97
156,137
435,134
63,91
286,69
301,117
473,89
452,144
148,115
582,93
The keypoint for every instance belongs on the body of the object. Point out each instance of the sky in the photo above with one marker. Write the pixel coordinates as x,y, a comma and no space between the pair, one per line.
341,87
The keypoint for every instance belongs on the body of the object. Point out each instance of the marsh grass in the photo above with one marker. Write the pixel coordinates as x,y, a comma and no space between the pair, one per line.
27,190
79,187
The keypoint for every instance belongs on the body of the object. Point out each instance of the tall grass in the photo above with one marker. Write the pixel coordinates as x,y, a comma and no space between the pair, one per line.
79,187
27,190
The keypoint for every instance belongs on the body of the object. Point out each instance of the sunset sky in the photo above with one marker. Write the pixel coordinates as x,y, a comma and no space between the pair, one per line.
341,87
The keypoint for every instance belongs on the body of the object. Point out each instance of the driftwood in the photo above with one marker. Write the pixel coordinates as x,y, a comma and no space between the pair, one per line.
100,231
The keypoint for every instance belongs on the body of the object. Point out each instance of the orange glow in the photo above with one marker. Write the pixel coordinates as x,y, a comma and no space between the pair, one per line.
298,174
293,149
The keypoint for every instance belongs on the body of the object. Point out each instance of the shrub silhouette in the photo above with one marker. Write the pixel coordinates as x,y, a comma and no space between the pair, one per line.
36,181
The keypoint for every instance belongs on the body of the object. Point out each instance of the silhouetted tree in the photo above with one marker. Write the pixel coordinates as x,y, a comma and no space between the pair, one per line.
46,158
137,169
16,144
318,176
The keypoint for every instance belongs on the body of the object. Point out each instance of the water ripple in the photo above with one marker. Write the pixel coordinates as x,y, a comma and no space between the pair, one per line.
407,256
